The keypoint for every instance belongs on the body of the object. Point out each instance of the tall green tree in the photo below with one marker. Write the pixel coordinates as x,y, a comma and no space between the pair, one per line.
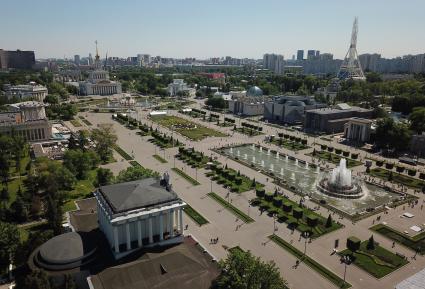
105,138
417,120
392,135
9,241
37,279
241,270
54,215
103,177
135,173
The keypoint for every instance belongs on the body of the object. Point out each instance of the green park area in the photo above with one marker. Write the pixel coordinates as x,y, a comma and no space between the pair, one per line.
232,179
195,216
334,158
291,144
235,211
122,153
415,243
248,131
159,159
75,122
83,119
373,258
192,158
325,272
186,176
398,178
297,217
187,128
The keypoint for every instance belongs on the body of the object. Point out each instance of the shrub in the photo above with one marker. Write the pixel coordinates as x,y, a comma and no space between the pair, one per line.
328,221
422,176
238,181
354,156
268,197
389,166
353,243
287,207
260,193
297,213
411,173
330,149
323,147
345,154
304,142
338,151
399,169
277,201
312,221
379,163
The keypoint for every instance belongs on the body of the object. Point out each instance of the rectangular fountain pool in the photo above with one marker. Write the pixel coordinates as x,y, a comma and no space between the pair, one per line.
305,177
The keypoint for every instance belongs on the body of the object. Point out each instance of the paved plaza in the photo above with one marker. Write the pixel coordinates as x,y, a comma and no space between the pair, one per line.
253,236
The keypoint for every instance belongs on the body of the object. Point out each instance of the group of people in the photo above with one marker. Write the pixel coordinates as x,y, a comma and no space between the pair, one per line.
214,241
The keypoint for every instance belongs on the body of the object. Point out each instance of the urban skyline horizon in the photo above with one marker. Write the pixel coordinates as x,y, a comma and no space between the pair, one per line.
203,29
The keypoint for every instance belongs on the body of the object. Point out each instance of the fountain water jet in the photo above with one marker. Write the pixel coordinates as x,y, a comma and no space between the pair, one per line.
262,163
277,155
268,152
340,183
272,167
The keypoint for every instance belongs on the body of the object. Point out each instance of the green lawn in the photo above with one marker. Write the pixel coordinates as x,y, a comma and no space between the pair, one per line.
398,178
187,128
135,164
248,131
290,145
378,262
414,243
334,158
194,159
223,179
195,216
85,120
120,151
186,176
301,224
24,231
235,211
325,272
13,187
75,123
160,159
83,189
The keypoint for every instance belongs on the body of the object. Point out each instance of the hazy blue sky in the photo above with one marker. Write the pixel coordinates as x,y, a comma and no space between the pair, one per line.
199,28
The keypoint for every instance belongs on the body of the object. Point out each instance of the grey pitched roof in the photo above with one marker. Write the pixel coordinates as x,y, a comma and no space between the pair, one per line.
136,194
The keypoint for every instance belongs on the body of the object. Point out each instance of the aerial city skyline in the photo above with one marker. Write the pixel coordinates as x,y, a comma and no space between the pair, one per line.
212,144
267,27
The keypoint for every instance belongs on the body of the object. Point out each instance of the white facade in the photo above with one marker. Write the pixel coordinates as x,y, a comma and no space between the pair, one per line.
161,224
31,91
178,85
358,129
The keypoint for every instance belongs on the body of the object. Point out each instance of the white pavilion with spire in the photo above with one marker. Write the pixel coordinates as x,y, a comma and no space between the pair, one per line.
98,82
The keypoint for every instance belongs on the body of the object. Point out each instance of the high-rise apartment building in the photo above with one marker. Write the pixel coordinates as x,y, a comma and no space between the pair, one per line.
300,55
16,59
77,59
311,54
274,62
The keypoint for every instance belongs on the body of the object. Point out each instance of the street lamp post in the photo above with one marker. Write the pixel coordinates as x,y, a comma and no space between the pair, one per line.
306,235
346,260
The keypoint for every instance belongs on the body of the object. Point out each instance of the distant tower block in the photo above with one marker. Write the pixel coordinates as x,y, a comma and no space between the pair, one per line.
350,67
